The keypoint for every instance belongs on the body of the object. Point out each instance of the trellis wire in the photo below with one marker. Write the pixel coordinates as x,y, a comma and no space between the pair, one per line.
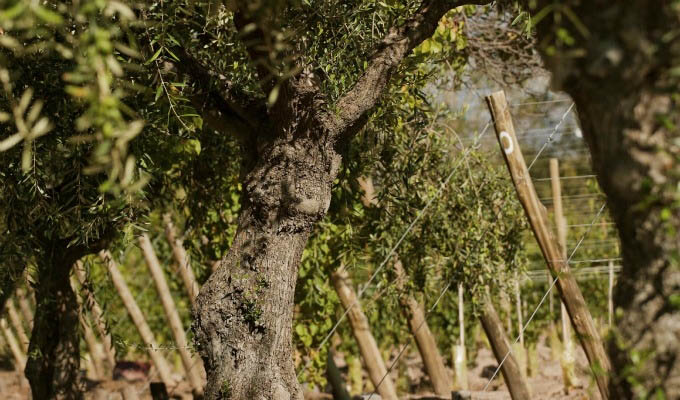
567,177
550,138
396,245
552,284
448,285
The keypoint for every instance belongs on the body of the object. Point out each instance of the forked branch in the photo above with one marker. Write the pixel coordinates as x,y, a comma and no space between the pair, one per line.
389,53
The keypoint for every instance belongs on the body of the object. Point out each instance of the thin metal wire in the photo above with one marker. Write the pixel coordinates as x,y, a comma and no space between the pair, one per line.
448,285
396,245
543,298
567,177
541,102
550,138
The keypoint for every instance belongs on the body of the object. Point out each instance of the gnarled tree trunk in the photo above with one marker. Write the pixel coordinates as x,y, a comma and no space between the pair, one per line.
244,311
54,354
624,89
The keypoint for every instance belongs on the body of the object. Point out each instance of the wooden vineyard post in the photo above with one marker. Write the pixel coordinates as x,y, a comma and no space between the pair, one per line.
518,305
335,378
493,327
190,365
427,346
18,326
19,356
25,308
93,347
97,317
568,358
521,351
567,287
135,313
182,259
362,333
129,392
460,356
610,295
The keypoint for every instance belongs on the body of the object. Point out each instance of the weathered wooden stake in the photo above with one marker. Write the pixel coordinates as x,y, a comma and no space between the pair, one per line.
460,356
514,379
129,393
362,333
538,219
427,346
19,356
96,356
335,379
414,313
135,313
17,324
610,295
182,259
568,358
518,306
159,391
97,317
191,366
25,308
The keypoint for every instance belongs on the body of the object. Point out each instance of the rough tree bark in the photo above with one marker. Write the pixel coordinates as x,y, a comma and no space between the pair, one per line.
623,85
54,354
243,316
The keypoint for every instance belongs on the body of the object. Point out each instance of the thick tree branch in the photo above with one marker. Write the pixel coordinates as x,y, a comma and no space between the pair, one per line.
390,52
222,108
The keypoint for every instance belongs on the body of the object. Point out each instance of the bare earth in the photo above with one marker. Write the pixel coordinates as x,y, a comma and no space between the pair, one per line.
545,384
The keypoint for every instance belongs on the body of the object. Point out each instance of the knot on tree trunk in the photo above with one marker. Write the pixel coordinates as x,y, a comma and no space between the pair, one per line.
289,187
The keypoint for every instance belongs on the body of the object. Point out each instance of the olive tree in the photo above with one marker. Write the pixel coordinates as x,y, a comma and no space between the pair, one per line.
311,88
63,122
619,62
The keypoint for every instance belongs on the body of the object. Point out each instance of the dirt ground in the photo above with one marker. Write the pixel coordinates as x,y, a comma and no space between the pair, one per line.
546,382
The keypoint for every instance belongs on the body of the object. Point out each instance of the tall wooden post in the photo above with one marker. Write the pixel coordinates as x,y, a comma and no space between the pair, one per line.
135,313
460,356
97,317
19,356
538,219
190,365
18,326
335,378
500,345
427,346
520,351
25,308
93,347
362,333
518,305
182,259
610,295
568,358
